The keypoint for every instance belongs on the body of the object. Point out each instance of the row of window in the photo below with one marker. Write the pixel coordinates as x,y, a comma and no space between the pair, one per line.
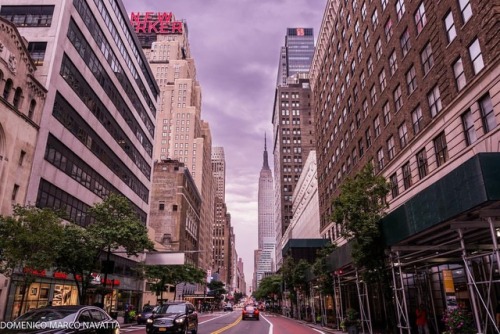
18,96
70,118
67,161
28,16
87,95
85,51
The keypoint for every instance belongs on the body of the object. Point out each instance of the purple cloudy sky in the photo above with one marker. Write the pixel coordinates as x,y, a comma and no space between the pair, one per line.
235,44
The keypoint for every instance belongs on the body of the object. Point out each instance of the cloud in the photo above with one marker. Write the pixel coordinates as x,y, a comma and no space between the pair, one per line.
236,47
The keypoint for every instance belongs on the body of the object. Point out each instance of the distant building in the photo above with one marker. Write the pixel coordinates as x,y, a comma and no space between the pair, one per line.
175,209
181,134
21,103
297,53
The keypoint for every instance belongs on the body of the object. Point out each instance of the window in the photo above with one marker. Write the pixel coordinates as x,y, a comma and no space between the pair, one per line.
475,56
393,64
15,190
449,24
404,41
358,120
387,113
400,9
434,98
403,135
368,138
31,110
468,124
362,80
161,207
363,11
422,164
369,65
384,4
390,147
373,95
487,114
441,149
466,9
366,36
388,29
37,52
427,59
375,19
7,88
420,18
376,126
21,157
381,79
394,185
365,108
360,54
416,118
28,16
361,149
17,97
458,72
411,80
356,28
378,49
380,159
406,171
398,100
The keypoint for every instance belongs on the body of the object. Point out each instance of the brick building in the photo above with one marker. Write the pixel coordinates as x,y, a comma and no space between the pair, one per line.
412,88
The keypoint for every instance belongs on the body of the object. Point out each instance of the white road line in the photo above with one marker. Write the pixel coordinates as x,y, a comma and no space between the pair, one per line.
270,324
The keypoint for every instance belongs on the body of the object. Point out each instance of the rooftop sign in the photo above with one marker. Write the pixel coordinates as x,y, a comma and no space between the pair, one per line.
155,23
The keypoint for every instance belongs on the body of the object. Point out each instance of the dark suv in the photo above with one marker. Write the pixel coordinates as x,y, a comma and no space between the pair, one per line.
173,317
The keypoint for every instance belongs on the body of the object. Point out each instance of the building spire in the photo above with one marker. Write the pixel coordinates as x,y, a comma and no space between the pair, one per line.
266,164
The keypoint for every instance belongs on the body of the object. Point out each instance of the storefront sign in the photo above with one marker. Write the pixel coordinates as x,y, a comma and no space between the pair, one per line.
59,274
34,272
449,287
155,23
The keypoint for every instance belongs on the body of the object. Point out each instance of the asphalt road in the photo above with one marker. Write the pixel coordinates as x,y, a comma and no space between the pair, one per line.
231,323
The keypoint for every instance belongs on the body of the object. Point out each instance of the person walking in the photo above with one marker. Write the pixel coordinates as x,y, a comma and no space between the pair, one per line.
421,320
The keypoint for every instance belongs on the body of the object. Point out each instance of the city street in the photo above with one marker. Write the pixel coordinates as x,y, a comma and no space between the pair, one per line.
231,323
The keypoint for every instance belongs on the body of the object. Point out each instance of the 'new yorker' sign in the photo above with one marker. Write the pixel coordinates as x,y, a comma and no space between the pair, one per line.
155,23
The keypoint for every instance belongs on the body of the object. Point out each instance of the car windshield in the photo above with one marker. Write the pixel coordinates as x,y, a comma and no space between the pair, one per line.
44,315
249,308
173,308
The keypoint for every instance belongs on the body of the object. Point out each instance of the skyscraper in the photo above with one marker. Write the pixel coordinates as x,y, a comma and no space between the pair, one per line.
297,54
266,229
181,134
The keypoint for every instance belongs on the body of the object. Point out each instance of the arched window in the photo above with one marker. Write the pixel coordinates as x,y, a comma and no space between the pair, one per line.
31,112
17,97
7,89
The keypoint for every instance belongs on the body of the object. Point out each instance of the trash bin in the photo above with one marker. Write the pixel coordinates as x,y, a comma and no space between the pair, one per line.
114,314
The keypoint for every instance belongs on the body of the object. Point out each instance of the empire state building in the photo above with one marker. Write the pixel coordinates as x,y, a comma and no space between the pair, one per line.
266,229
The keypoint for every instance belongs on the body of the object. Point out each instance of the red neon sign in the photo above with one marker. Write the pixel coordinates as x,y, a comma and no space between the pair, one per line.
155,23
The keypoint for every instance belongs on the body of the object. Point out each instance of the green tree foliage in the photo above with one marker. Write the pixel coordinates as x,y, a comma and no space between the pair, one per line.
360,207
268,287
116,225
161,275
238,296
294,277
216,289
29,242
324,279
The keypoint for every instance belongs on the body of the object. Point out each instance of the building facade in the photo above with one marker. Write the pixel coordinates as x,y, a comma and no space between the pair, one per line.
293,130
181,134
412,88
21,105
96,127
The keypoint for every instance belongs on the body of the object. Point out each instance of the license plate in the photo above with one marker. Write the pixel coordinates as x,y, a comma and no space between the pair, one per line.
162,329
250,315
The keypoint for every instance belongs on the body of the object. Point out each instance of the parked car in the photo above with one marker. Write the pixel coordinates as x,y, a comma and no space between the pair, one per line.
146,313
250,312
64,319
228,307
173,317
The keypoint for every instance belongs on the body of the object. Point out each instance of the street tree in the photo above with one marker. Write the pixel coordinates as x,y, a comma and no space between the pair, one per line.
161,275
269,287
29,243
115,226
217,290
295,279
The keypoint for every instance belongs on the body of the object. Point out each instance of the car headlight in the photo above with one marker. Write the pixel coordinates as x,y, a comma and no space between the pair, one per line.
149,321
139,315
180,320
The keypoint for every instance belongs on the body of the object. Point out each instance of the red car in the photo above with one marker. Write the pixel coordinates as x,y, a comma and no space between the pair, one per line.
250,312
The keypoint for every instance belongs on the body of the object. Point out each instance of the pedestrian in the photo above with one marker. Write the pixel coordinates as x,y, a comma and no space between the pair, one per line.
421,320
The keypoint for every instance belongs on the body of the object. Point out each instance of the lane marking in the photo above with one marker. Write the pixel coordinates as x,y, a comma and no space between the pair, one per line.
220,316
220,330
270,324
